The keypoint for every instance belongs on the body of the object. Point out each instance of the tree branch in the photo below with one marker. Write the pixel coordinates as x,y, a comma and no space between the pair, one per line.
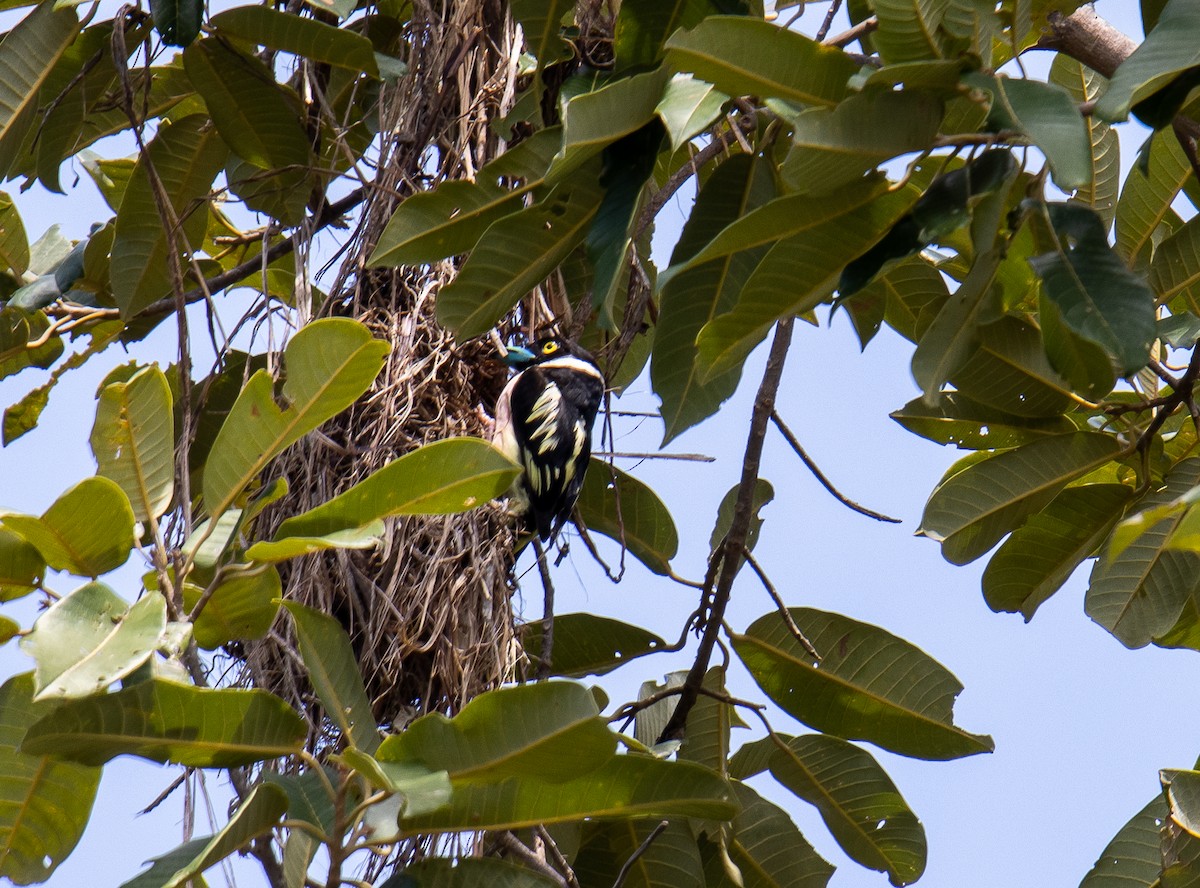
735,541
642,848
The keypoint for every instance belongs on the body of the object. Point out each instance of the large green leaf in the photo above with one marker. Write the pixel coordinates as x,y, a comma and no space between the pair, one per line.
27,57
1175,269
516,253
133,440
258,814
1084,85
1166,51
694,297
858,802
1084,363
970,511
542,20
87,531
1144,207
21,566
551,732
1133,858
186,154
622,507
1139,593
441,478
256,118
869,685
642,28
300,36
587,644
908,29
1040,556
178,21
431,225
91,638
801,270
469,872
366,536
744,55
833,146
243,606
768,849
672,860
329,363
168,722
1100,299
627,786
1010,372
45,802
335,675
955,419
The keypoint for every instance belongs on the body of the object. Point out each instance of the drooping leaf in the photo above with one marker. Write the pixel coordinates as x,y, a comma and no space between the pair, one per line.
769,850
1133,858
858,802
187,155
1084,85
45,802
1166,52
1100,299
516,253
627,786
243,606
91,638
622,507
21,566
87,531
688,106
587,644
334,673
1144,206
550,732
133,440
298,35
168,722
1040,556
742,55
972,510
441,478
329,363
956,419
14,244
178,21
869,685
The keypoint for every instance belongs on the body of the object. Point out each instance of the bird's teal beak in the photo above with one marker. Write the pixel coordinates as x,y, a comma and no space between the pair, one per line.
515,356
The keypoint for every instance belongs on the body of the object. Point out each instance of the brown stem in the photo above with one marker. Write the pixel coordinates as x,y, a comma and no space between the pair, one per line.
862,29
642,848
546,656
784,613
823,31
735,541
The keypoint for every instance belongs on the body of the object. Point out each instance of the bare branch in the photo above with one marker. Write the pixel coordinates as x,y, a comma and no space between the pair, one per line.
823,31
862,29
546,656
624,873
783,611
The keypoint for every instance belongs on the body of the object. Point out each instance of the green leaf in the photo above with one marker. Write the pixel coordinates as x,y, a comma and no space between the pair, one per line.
1100,299
622,507
87,531
763,494
418,789
858,802
549,733
1175,268
178,21
431,225
45,802
694,297
768,849
516,253
91,638
642,28
833,146
587,644
627,786
541,20
706,735
9,629
1085,364
1180,330
1010,372
168,722
742,55
329,364
1139,593
334,673
186,154
467,872
366,537
441,478
257,815
1183,796
133,440
1047,115
1132,859
672,860
28,56
241,607
17,329
908,29
869,685
688,106
14,244
21,566
955,419
970,511
1166,51
1144,207
1040,556
801,270
1084,85
300,36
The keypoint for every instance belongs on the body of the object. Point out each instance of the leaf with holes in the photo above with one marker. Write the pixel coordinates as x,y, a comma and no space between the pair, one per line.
587,644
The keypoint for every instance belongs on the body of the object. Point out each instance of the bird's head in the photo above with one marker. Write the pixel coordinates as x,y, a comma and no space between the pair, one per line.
543,350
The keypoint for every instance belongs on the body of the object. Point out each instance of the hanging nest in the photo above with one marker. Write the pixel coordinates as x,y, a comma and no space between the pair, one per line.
429,612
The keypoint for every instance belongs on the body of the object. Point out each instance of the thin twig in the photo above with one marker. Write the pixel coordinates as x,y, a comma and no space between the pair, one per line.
559,860
823,31
642,848
514,846
735,540
783,611
685,457
166,793
862,29
546,655
820,476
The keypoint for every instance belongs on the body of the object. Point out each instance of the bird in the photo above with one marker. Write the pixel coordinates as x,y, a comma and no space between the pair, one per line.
544,419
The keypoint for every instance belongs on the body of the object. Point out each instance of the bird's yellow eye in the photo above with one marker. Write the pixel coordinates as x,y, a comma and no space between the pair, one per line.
549,348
